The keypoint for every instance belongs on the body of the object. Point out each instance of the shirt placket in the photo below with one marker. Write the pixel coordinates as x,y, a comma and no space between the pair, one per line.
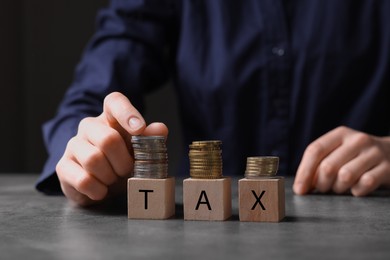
276,88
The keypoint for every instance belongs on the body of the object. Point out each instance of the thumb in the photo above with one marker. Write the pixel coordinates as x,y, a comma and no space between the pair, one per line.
121,114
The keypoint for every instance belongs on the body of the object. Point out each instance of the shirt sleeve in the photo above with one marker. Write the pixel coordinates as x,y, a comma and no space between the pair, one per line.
128,53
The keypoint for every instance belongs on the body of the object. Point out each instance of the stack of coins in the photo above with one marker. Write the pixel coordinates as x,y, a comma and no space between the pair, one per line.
261,166
205,159
150,157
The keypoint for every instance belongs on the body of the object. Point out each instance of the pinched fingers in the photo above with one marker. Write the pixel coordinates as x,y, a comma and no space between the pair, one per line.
99,157
75,196
73,175
91,159
108,146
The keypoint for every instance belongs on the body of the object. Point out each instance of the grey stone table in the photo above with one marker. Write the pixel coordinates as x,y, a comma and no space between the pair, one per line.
35,226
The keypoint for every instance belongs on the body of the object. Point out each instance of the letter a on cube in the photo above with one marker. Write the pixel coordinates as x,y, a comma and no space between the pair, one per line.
207,199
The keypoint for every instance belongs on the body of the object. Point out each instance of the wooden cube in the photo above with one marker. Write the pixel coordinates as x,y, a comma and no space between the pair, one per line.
151,198
207,199
261,200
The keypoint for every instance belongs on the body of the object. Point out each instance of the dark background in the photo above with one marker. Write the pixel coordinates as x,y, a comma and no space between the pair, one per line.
41,42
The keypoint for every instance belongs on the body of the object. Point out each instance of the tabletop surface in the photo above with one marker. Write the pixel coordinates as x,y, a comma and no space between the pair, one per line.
36,226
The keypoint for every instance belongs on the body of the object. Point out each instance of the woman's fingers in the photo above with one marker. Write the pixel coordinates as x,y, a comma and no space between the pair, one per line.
72,174
108,142
343,160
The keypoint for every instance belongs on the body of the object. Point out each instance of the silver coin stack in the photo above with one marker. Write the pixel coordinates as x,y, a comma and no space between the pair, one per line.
150,157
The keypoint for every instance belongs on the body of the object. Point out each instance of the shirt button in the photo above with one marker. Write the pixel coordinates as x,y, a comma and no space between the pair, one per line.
278,51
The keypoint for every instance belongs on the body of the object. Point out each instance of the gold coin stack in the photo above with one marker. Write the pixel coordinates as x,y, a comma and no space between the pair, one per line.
205,159
261,166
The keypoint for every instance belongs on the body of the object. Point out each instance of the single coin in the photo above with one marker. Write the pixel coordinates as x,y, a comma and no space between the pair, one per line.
207,142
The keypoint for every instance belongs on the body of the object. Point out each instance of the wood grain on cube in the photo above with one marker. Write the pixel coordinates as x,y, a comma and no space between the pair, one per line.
261,200
151,198
207,199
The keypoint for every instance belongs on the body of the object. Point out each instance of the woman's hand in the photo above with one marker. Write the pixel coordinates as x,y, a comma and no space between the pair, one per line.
344,160
98,160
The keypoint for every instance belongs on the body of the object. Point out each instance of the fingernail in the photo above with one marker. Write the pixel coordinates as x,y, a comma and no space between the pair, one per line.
135,123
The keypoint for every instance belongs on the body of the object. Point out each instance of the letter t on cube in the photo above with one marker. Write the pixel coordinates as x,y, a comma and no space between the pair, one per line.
151,198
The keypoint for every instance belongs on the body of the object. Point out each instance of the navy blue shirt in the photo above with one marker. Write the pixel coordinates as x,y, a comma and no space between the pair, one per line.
267,77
